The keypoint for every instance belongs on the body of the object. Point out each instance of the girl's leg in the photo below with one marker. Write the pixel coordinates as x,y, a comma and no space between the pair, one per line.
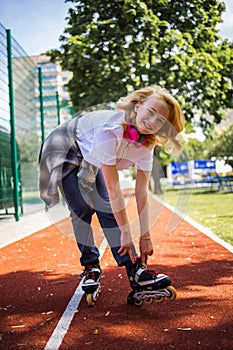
81,215
101,204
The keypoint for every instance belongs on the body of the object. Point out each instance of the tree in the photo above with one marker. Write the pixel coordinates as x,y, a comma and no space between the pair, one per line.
113,47
222,146
194,149
28,148
116,46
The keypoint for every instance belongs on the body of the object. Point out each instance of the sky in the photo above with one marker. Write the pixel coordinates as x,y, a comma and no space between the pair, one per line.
37,24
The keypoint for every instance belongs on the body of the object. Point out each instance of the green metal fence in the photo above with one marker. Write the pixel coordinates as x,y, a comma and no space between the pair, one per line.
23,123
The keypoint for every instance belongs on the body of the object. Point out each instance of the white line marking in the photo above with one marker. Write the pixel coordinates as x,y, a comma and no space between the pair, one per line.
63,325
199,227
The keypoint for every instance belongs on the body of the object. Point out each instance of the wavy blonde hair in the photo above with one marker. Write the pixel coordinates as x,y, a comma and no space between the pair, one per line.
168,132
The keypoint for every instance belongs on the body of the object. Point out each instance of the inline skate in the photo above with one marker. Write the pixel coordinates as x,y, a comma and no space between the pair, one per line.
147,286
91,283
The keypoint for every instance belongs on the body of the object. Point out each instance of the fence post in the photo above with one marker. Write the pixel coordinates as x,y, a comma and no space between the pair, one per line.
14,159
41,104
40,78
58,109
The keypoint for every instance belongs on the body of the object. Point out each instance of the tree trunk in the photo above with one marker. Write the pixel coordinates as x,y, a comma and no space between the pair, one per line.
156,174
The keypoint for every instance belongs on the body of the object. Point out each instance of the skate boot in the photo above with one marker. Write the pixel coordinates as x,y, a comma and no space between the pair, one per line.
147,286
91,282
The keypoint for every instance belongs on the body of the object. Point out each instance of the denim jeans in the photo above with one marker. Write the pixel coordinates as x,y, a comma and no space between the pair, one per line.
82,206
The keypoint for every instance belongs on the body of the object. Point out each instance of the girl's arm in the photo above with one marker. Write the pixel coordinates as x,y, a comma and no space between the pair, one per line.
141,194
118,207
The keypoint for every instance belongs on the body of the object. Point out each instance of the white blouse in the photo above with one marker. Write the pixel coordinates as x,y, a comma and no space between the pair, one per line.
100,138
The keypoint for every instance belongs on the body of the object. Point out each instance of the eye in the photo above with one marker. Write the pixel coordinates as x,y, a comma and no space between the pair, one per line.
151,113
160,120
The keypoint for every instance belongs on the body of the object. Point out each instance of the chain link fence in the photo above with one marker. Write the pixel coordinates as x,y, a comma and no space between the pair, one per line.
24,117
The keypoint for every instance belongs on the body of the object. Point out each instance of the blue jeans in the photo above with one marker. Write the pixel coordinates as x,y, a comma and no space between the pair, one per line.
82,206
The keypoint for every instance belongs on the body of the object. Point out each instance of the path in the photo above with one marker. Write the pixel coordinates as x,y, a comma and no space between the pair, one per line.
39,278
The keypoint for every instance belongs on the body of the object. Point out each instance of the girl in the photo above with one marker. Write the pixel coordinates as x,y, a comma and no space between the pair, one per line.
82,158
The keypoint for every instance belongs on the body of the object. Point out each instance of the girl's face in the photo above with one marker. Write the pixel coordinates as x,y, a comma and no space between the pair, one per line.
151,115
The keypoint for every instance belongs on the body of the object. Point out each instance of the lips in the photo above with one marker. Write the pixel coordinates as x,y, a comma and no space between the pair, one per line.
147,126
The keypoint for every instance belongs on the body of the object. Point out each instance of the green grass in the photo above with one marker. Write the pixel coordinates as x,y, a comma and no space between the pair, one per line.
211,209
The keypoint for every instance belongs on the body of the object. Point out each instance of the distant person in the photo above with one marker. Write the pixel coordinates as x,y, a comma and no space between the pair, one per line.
82,157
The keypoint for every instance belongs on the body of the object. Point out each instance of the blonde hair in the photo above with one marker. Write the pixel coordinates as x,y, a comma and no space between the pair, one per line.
167,134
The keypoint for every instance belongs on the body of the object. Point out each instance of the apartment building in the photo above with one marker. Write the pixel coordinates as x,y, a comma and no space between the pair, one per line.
54,81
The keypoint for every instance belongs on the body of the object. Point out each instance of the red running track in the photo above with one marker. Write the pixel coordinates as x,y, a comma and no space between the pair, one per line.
39,278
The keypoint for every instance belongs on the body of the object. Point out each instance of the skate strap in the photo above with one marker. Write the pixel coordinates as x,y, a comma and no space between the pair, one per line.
94,269
138,273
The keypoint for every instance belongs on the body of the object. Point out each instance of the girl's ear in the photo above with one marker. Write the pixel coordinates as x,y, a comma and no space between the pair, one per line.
136,106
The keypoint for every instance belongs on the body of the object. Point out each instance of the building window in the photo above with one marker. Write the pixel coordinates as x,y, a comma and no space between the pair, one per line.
49,77
48,67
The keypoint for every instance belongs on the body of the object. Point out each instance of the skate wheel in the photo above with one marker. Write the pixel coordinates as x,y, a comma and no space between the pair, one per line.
96,297
148,301
89,300
138,303
172,292
159,299
130,298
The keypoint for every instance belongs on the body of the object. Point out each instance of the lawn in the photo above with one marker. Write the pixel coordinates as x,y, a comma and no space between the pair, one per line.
211,209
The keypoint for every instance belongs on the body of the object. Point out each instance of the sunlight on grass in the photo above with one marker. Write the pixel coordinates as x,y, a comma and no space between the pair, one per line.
211,209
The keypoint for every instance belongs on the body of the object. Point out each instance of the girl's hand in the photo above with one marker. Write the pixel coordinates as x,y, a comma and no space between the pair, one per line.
127,246
146,248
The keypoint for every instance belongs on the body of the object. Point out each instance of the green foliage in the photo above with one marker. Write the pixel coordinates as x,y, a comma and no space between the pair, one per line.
28,147
113,47
219,145
195,149
222,145
192,149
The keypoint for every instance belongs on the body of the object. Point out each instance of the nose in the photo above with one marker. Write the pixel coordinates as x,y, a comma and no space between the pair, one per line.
152,119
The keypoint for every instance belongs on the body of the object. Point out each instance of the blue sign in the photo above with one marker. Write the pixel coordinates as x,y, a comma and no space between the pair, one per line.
204,164
179,168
